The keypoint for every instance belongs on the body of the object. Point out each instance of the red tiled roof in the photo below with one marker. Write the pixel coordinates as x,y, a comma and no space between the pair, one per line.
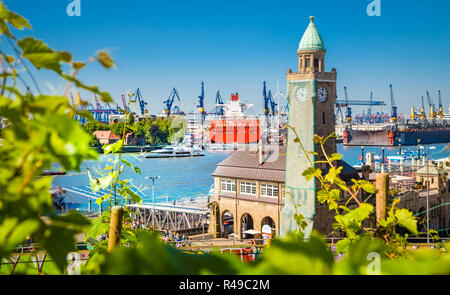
105,134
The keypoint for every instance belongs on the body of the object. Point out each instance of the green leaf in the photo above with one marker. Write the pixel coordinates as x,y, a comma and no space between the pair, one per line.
113,148
309,173
40,55
9,59
13,233
105,60
333,174
406,219
366,186
335,157
343,245
58,244
104,96
135,198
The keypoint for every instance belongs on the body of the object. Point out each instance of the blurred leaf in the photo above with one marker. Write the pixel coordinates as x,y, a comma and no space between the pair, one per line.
113,147
40,55
105,60
13,233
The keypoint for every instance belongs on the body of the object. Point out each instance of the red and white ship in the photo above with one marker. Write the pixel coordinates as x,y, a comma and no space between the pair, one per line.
235,127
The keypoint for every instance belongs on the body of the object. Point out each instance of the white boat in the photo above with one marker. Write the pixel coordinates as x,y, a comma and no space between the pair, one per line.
173,151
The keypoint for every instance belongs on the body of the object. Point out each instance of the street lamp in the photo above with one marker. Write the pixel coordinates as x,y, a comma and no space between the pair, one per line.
153,193
428,191
362,155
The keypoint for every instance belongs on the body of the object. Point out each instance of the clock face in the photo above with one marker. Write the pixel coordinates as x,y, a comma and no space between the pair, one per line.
323,94
302,94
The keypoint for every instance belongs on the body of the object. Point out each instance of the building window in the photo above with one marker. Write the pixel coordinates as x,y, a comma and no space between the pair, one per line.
323,117
268,190
316,63
308,62
228,186
248,188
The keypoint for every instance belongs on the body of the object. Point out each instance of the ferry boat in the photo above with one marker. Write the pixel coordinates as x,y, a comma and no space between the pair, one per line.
174,151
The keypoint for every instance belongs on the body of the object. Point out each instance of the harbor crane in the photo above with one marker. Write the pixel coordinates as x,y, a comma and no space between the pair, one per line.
394,117
432,114
273,104
423,116
266,100
369,111
269,103
340,104
219,104
441,111
169,103
137,97
201,106
141,102
348,113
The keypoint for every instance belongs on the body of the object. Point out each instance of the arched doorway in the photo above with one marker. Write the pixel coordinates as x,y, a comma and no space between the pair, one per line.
227,223
268,229
246,224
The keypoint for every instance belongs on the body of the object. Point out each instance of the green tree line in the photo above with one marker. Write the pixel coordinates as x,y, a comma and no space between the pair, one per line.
154,131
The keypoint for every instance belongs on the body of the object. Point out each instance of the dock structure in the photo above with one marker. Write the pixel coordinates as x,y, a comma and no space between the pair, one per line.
170,217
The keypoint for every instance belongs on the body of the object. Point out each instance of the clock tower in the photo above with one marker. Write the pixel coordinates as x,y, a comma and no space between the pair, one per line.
311,94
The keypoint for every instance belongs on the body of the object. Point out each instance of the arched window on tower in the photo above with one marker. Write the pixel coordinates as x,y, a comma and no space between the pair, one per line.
316,63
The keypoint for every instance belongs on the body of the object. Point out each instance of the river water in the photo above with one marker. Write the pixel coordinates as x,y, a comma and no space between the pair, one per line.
188,178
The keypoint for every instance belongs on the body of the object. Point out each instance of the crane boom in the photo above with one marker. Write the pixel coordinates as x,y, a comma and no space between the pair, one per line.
393,107
201,106
219,104
266,100
431,104
273,104
141,101
441,111
348,115
170,100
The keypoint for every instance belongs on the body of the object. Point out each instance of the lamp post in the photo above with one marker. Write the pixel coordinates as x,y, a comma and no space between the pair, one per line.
153,194
400,146
418,148
362,155
428,192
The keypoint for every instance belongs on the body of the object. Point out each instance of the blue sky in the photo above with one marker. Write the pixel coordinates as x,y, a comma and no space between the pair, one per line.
233,46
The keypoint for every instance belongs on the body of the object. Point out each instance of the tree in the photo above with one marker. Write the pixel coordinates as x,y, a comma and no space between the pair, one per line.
130,119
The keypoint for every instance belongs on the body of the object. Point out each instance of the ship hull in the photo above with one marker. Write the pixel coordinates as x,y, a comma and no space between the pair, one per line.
387,137
230,131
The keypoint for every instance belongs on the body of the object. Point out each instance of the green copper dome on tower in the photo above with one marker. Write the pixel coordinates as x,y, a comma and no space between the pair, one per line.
311,39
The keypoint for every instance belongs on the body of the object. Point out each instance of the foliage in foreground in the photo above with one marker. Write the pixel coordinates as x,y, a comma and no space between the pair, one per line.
40,131
288,256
